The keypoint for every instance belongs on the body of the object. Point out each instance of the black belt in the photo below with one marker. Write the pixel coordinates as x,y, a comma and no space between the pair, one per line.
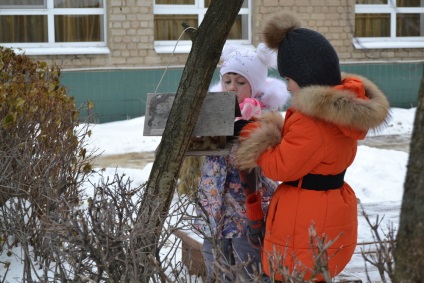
319,182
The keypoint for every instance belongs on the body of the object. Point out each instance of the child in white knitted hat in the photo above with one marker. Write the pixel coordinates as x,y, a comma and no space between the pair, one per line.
221,194
244,65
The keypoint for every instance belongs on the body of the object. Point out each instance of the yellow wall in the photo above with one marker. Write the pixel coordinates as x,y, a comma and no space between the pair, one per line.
130,34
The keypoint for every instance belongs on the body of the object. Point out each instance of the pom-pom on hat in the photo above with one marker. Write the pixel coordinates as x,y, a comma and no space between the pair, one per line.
251,64
304,55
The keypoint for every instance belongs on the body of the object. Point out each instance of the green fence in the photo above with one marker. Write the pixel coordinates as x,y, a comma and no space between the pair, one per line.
121,94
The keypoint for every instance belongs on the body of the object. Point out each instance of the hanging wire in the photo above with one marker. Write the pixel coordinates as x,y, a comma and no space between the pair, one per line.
173,51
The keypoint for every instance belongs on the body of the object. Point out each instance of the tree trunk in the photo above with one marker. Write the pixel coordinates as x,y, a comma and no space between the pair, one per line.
409,254
204,56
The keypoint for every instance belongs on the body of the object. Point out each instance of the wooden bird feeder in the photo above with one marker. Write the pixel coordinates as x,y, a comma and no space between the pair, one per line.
216,118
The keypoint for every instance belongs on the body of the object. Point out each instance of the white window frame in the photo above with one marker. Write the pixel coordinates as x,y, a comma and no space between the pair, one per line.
392,41
184,46
58,48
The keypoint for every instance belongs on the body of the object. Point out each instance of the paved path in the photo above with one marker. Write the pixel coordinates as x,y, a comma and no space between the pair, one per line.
138,160
396,142
135,160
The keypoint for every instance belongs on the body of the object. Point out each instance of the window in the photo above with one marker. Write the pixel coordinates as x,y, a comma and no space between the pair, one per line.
389,24
47,27
170,14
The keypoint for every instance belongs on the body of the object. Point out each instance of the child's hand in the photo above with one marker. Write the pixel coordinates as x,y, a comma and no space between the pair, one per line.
250,108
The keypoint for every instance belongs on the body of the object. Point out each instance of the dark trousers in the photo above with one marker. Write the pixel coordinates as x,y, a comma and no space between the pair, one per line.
232,252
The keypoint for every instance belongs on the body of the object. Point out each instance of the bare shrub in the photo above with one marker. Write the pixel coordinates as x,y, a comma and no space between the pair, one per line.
94,242
97,241
44,166
42,153
319,245
380,253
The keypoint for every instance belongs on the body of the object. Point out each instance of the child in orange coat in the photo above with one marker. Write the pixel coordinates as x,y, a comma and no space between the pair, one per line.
309,152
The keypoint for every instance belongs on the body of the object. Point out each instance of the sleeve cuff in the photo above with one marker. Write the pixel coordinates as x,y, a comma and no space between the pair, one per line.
254,207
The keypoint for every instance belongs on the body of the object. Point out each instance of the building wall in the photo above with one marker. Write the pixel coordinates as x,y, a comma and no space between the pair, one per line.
130,34
130,40
122,94
118,82
335,19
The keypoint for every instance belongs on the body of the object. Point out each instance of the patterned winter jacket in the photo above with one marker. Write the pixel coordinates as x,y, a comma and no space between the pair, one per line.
221,201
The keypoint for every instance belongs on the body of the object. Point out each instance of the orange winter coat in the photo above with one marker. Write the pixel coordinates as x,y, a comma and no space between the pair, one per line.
319,136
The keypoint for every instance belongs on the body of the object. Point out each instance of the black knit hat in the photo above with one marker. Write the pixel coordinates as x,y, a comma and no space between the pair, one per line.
304,55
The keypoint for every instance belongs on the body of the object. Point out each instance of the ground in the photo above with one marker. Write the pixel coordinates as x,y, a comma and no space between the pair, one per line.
137,160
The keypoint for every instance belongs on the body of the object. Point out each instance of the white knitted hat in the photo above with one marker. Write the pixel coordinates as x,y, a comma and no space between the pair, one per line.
251,64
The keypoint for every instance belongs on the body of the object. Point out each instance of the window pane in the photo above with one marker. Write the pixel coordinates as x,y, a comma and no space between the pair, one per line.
409,24
408,3
28,28
239,30
78,3
168,27
175,2
78,28
21,4
372,25
371,2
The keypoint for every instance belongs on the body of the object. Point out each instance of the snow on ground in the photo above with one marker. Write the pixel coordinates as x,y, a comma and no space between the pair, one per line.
377,176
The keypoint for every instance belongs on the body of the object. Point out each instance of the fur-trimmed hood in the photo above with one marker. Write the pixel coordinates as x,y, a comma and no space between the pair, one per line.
343,107
352,115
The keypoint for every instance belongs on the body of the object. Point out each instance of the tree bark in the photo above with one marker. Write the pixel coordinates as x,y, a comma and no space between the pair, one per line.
204,56
409,253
